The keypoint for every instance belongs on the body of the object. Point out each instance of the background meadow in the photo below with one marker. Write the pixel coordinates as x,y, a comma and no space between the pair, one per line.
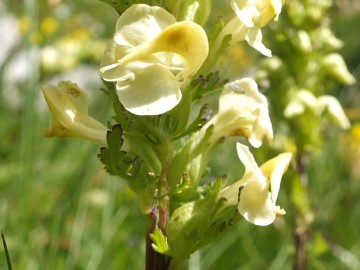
59,209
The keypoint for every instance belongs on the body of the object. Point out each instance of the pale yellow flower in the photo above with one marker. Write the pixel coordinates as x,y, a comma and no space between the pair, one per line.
304,101
243,111
255,194
69,107
152,57
251,16
334,65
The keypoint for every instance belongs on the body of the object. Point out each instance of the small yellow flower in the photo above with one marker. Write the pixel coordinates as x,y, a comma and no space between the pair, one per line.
48,26
69,107
255,194
243,111
152,57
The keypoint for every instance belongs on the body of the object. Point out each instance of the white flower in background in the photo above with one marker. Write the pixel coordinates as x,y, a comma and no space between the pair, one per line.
255,194
304,100
69,107
335,65
251,16
152,57
243,111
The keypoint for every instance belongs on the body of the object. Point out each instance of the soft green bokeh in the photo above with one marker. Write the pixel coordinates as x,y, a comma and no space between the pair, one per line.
58,208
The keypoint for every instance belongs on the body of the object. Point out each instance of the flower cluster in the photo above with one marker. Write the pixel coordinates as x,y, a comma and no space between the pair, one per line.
152,60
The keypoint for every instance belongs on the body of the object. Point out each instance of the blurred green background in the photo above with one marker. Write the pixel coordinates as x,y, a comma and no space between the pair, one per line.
58,208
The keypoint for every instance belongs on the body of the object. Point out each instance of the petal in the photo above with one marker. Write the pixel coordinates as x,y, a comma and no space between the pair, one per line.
109,66
251,167
141,23
153,90
262,127
273,170
255,203
246,11
235,28
185,38
254,38
277,6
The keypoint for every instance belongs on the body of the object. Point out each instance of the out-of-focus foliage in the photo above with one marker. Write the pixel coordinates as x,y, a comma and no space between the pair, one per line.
59,210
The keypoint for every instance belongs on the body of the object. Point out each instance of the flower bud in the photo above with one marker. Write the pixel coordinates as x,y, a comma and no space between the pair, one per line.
69,107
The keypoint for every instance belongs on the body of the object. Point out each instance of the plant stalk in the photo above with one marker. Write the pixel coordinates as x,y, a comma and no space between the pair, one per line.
302,229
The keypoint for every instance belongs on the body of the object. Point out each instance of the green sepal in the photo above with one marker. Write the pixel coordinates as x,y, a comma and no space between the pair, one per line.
198,223
203,86
199,121
122,116
191,160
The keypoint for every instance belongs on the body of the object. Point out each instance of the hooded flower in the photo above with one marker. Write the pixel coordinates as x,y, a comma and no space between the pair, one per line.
304,100
243,111
69,107
152,57
251,16
256,192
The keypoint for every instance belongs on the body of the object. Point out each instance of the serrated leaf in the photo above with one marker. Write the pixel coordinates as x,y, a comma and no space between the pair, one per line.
116,161
120,163
160,243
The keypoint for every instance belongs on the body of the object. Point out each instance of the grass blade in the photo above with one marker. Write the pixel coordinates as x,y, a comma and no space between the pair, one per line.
6,252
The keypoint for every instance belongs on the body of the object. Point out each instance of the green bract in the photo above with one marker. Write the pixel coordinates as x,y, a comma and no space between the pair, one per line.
152,57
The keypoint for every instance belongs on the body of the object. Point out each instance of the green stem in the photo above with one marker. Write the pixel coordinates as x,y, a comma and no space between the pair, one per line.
160,213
